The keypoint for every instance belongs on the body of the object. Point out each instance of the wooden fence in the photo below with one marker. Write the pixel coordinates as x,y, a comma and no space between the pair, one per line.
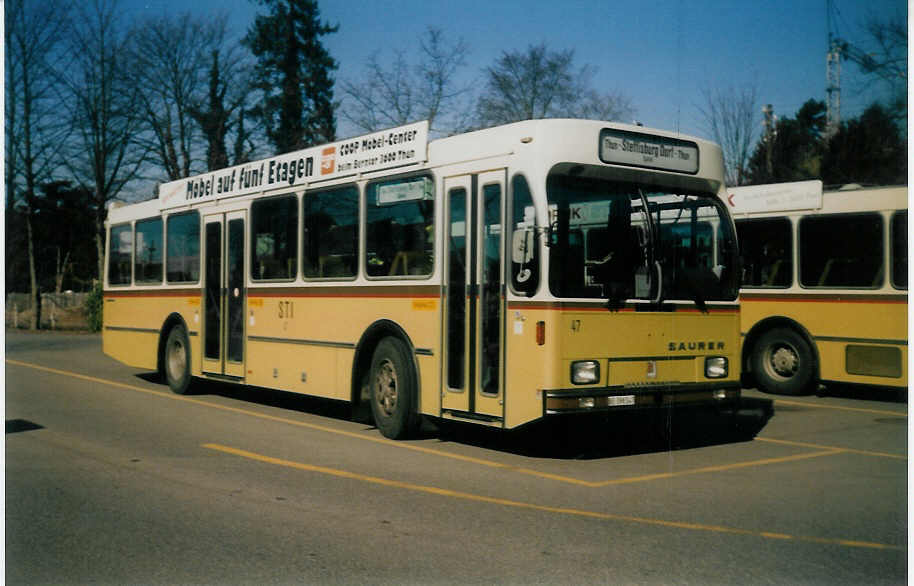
59,311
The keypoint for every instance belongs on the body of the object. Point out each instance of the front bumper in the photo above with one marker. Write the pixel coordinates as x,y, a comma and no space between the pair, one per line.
595,399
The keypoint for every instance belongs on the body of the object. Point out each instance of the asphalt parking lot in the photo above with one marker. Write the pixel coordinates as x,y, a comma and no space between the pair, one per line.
112,478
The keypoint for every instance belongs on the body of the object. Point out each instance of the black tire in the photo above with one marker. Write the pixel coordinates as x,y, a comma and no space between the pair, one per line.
783,363
176,360
392,389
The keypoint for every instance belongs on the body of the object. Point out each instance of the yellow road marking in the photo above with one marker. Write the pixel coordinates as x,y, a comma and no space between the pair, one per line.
841,408
721,468
314,426
544,508
821,447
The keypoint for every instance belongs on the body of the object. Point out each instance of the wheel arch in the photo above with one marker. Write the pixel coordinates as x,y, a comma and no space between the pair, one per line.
767,324
361,363
171,321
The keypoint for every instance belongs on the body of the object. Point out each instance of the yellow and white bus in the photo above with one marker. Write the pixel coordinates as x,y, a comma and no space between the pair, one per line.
495,277
825,285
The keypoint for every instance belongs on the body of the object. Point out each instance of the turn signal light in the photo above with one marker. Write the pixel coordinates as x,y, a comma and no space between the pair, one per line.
540,333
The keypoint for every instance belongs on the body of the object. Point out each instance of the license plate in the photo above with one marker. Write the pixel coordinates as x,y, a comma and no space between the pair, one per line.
621,400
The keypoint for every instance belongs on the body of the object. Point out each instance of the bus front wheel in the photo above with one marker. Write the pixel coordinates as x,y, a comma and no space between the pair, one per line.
177,360
783,363
392,389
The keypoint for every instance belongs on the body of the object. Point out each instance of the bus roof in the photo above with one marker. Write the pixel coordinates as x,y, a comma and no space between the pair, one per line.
809,196
408,146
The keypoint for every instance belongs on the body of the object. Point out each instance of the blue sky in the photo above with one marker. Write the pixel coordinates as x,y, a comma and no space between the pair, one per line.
659,54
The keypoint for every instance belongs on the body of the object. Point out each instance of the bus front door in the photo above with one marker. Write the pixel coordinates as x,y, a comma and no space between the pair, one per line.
224,294
474,295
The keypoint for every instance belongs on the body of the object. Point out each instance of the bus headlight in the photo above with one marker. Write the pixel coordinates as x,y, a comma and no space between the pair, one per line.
585,372
716,367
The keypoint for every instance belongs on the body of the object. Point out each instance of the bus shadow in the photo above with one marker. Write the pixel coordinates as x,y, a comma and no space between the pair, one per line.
263,396
610,435
587,436
862,393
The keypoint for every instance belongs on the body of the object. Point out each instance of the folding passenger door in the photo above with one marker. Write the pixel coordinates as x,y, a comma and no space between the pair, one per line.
474,303
224,294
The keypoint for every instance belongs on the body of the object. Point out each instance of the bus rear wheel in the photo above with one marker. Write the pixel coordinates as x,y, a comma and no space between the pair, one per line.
393,388
783,363
177,360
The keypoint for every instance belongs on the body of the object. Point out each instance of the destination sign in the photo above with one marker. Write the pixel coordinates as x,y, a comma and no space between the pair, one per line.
396,147
776,197
636,149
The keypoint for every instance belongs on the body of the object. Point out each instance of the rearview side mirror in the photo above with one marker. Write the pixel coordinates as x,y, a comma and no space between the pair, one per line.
522,243
524,261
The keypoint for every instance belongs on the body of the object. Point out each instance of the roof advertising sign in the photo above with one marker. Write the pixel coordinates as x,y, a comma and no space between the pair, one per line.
385,149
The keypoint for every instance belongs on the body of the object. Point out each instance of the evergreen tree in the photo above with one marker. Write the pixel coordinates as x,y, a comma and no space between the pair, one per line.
867,150
66,257
294,74
794,152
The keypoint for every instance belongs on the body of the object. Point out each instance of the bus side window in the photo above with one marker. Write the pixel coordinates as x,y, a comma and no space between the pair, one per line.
766,252
120,255
331,235
900,250
148,252
841,250
182,244
274,239
399,227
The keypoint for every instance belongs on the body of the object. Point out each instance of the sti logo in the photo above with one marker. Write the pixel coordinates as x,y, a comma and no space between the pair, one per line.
328,160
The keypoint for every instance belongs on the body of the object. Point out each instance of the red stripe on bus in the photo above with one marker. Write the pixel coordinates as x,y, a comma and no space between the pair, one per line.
558,306
161,293
889,299
348,295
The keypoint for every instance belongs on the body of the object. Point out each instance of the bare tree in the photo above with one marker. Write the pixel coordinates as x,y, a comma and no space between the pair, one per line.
244,146
383,100
440,91
105,155
731,115
405,92
890,59
603,106
540,83
34,127
61,268
214,120
222,111
169,58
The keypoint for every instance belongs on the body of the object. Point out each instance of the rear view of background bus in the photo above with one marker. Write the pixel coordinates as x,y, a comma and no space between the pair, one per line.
824,287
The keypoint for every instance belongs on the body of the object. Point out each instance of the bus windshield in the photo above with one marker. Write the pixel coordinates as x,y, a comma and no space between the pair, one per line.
620,241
